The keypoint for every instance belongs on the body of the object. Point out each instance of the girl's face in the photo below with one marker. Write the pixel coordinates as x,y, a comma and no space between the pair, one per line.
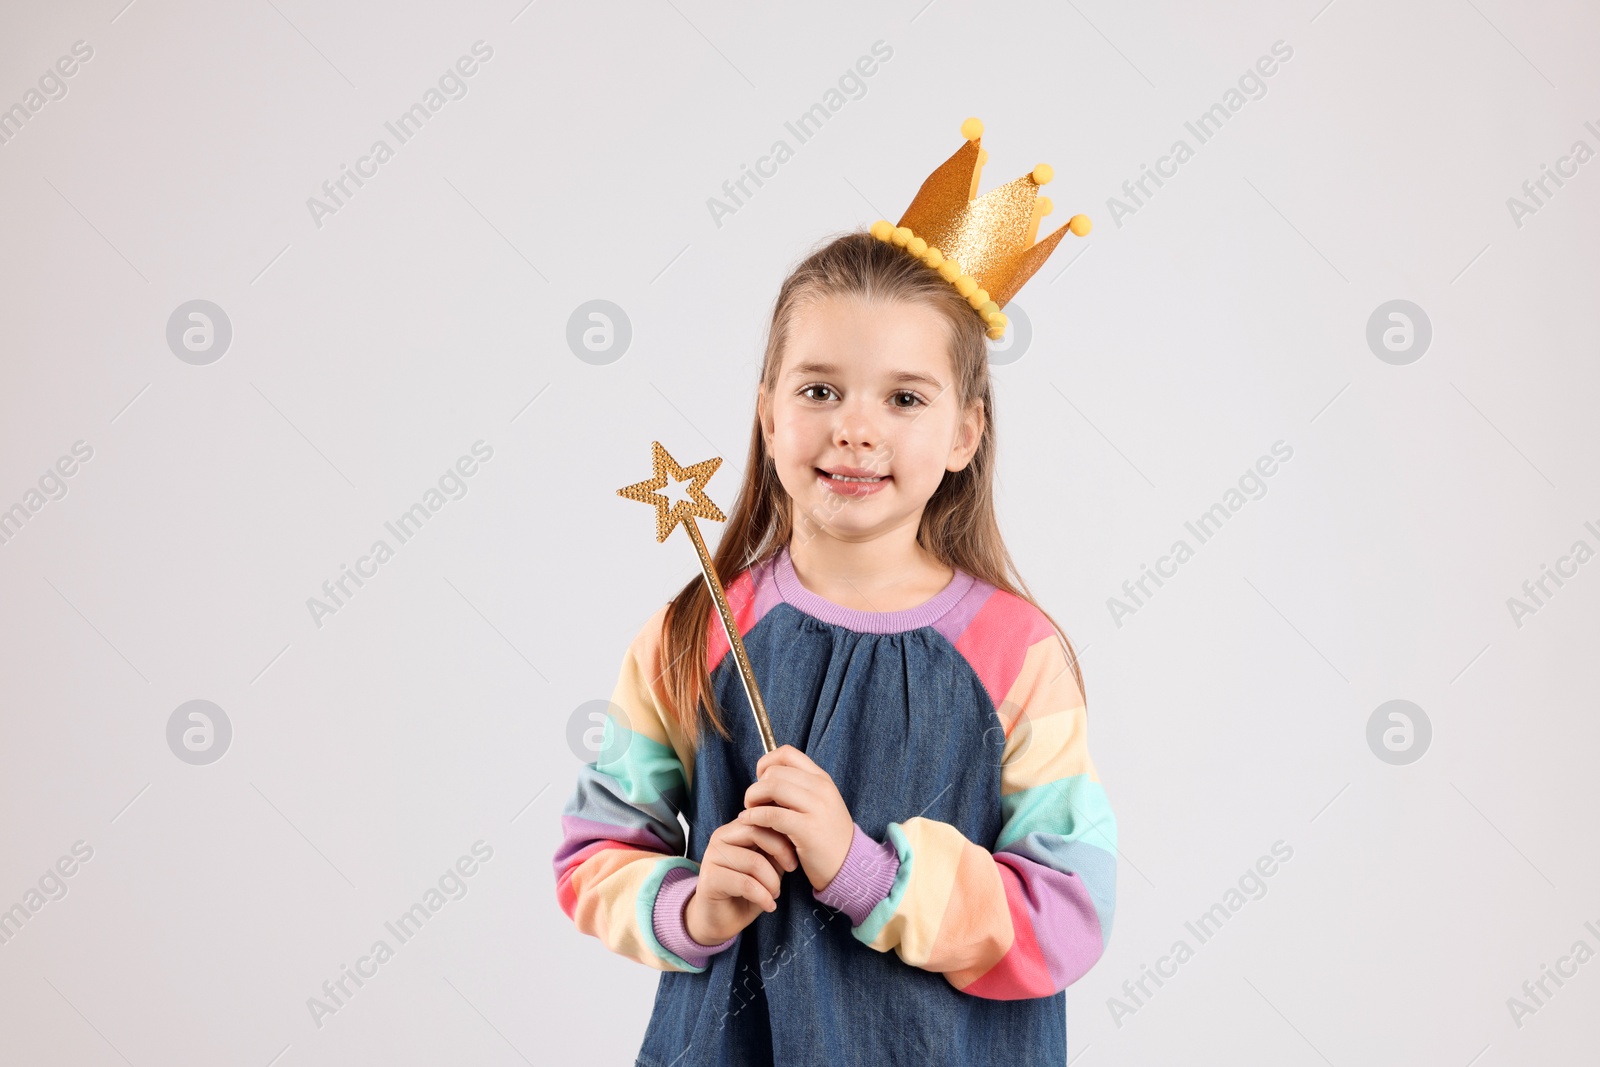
865,390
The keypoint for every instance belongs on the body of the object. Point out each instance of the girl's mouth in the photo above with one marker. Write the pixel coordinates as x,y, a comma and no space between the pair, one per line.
850,486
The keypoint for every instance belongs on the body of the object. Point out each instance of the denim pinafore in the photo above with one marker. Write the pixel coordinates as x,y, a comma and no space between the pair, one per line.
887,705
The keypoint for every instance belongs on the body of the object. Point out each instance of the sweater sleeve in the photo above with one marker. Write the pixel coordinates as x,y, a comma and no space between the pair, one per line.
622,846
1031,916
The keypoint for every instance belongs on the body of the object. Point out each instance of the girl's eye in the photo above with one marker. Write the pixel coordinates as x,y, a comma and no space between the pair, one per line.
911,400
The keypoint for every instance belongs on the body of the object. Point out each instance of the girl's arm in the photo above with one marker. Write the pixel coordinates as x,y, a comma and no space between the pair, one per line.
621,872
1032,916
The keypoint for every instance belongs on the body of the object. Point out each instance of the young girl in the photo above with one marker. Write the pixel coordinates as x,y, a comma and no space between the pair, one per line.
928,861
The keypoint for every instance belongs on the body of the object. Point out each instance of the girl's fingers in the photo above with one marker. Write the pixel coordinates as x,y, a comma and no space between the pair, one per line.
756,893
774,844
748,861
778,756
782,785
776,816
727,881
797,775
787,756
777,846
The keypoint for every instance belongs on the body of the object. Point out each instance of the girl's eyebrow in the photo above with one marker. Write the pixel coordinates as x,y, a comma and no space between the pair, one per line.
899,377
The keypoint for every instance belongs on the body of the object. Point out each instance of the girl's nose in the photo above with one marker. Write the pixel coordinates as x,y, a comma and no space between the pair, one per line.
855,436
855,429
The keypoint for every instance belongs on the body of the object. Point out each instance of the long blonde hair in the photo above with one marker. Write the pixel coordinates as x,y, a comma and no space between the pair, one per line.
958,525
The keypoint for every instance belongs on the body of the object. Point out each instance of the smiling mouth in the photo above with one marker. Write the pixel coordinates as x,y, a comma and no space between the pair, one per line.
844,478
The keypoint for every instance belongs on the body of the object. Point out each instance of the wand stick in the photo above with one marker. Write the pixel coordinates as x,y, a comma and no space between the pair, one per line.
669,515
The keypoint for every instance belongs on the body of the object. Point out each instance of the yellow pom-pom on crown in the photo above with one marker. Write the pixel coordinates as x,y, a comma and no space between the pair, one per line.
977,234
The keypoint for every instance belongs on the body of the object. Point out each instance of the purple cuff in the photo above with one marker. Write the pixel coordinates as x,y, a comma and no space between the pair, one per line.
671,929
864,879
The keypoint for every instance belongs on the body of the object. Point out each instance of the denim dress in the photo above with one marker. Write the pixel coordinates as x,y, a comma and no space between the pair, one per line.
887,704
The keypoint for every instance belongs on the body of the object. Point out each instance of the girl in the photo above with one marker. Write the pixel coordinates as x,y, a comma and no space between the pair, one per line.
935,798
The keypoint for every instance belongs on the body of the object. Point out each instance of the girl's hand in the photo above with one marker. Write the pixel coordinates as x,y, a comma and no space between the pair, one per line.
739,877
798,799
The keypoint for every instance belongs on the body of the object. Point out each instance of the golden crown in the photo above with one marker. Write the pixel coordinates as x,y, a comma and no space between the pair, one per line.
985,246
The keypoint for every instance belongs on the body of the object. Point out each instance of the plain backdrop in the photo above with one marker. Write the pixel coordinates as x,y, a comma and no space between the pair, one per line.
375,340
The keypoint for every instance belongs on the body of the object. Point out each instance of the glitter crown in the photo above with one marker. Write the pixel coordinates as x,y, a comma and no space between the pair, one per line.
983,245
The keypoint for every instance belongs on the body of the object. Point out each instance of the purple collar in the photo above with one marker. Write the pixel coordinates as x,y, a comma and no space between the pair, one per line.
871,622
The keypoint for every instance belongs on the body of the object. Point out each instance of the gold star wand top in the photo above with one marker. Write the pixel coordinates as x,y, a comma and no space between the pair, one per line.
668,515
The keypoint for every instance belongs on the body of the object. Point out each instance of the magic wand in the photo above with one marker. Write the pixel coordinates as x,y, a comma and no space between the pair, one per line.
668,515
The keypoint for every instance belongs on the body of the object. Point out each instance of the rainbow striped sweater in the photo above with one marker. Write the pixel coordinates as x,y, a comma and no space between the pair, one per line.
984,856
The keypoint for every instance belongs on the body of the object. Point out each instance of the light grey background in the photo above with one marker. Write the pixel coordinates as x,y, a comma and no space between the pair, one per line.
1168,353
